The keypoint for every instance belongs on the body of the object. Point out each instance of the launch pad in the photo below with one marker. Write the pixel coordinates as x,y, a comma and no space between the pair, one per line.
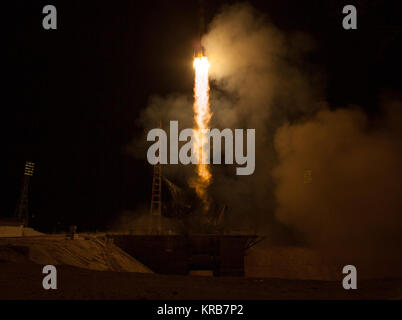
223,255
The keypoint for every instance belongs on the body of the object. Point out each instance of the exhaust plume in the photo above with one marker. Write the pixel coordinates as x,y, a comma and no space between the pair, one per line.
202,116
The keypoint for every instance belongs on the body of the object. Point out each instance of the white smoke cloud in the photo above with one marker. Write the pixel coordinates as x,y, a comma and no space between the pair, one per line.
251,71
259,79
353,206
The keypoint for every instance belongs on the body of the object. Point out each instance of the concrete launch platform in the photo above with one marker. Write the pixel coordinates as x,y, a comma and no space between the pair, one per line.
181,254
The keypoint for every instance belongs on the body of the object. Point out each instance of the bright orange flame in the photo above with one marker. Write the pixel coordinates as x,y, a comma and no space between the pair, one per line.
202,116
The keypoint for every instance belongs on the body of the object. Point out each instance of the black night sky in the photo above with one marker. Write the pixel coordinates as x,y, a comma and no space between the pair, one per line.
73,94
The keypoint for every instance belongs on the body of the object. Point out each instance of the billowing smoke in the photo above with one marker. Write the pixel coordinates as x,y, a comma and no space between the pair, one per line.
253,68
253,64
350,205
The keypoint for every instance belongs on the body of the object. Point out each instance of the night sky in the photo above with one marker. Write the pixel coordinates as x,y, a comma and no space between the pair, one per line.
73,95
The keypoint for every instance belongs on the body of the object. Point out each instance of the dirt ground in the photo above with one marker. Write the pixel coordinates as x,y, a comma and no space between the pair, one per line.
86,252
24,281
91,269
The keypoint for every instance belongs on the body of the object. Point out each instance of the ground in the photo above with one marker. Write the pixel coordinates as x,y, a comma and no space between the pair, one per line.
90,268
24,281
85,251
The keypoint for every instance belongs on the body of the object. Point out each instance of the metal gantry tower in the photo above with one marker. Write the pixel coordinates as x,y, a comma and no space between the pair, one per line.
155,221
22,211
156,201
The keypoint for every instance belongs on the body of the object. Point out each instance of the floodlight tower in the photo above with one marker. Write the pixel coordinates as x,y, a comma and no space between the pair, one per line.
22,211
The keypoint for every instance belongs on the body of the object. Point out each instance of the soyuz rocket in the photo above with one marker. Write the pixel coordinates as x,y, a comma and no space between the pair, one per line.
198,48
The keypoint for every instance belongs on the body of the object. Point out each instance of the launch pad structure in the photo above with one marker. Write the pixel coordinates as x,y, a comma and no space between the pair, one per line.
222,255
218,253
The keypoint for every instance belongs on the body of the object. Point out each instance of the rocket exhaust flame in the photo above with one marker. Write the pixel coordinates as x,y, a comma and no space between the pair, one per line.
202,116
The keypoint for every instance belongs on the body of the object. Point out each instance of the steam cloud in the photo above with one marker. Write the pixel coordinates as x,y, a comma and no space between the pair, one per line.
252,65
353,204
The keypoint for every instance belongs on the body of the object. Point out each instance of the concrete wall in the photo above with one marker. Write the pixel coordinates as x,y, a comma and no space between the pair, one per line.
11,231
288,263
